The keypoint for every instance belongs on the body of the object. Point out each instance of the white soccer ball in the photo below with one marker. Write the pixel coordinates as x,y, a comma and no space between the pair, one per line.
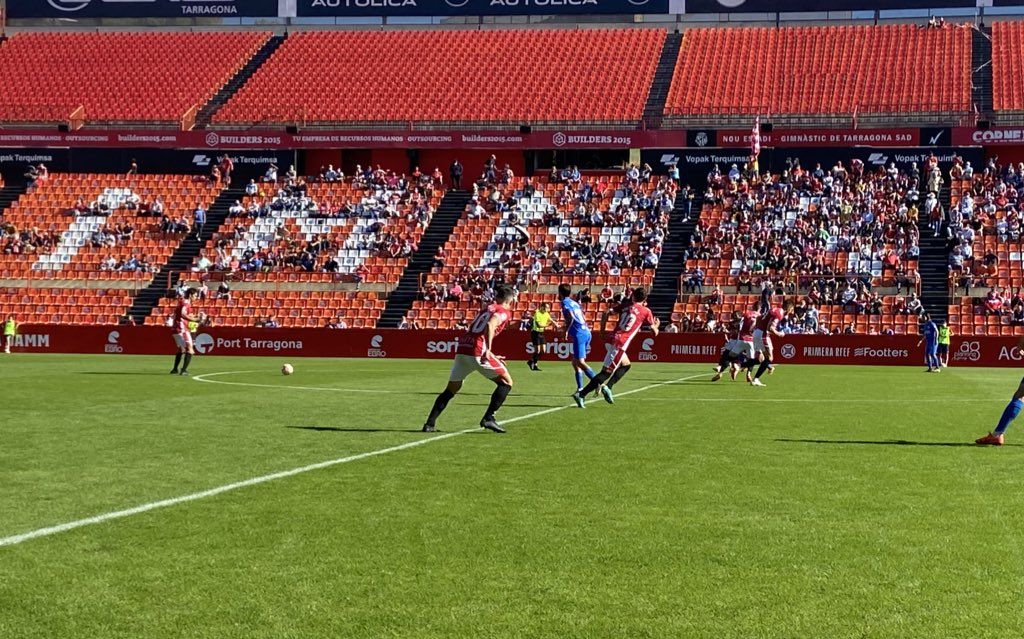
287,369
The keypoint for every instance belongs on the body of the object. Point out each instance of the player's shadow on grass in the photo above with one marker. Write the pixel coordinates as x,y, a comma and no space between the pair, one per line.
883,442
337,429
129,373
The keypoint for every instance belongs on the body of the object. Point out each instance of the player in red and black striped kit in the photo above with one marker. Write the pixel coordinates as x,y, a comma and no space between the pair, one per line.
633,315
182,336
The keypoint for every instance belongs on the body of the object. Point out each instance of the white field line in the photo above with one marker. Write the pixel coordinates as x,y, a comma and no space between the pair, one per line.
174,501
203,378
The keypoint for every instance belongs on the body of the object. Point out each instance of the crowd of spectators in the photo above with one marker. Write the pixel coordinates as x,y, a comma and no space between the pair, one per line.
389,208
529,243
786,225
27,242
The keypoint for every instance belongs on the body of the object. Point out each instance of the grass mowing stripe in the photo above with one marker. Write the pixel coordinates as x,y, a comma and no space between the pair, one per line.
164,503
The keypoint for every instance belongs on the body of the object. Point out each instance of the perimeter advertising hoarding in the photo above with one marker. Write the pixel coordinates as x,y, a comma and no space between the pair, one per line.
222,140
74,9
898,350
390,8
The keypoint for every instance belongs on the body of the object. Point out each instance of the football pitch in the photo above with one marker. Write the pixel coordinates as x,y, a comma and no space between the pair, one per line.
835,502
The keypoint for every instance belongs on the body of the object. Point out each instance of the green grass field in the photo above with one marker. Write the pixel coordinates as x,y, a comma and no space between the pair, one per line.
836,502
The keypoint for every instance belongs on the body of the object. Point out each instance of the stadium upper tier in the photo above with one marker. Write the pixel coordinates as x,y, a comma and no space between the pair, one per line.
849,70
468,77
114,77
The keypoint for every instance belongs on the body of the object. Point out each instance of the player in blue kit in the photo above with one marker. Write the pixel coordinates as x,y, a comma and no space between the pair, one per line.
995,438
930,337
577,331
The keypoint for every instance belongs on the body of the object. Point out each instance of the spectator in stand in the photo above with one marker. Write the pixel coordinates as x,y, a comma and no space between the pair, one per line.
199,219
270,175
455,174
227,167
251,189
223,291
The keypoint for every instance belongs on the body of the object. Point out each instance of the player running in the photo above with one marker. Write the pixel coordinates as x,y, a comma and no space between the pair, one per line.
576,331
538,326
995,438
766,326
474,354
633,315
739,350
930,337
183,317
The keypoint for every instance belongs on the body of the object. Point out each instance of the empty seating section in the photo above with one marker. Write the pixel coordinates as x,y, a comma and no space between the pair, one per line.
117,76
693,312
1008,66
96,226
511,76
290,309
65,305
823,70
368,232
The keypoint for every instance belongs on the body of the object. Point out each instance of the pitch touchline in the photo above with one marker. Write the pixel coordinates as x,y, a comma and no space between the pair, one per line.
164,503
203,378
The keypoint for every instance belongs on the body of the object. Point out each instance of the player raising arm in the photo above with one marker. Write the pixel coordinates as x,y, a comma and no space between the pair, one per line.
995,438
182,335
576,331
633,315
764,328
474,354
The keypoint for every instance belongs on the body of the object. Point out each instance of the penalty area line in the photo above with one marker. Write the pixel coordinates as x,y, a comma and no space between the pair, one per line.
255,481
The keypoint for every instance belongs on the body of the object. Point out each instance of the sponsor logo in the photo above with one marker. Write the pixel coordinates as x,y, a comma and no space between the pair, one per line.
999,135
1011,353
201,160
935,138
375,349
27,159
558,139
203,343
669,159
646,353
969,352
731,4
362,4
560,348
69,5
694,349
788,351
442,347
31,341
878,159
456,3
112,345
874,353
701,139
212,139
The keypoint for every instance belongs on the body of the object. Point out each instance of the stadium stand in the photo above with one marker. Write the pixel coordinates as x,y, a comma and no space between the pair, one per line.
359,229
983,229
591,231
282,308
822,73
806,224
66,305
117,77
1008,66
871,314
99,226
452,77
457,314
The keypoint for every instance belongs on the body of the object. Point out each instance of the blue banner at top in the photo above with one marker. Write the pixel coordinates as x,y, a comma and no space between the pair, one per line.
76,9
387,8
